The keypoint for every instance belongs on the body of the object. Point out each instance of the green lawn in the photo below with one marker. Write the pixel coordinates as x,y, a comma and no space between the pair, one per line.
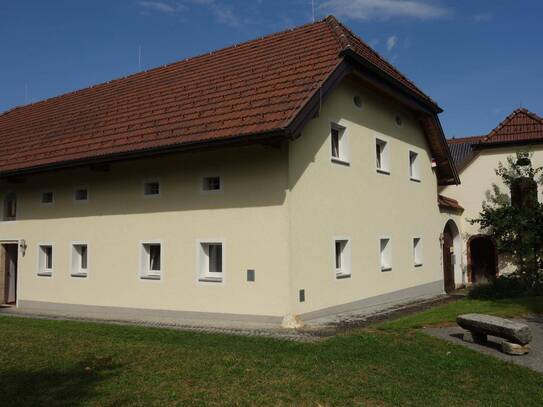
71,363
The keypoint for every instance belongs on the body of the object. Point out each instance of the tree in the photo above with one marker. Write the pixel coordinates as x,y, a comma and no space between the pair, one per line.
516,223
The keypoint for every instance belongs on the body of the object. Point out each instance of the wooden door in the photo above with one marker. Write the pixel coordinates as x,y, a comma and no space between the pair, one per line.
11,273
448,265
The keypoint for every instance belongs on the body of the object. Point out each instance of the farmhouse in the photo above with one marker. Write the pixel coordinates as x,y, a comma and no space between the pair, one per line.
296,174
476,159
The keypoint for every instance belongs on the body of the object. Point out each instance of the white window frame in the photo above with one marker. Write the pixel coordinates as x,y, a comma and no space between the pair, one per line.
384,168
75,260
43,271
81,201
414,166
385,258
47,191
346,263
211,191
151,181
418,254
343,144
203,275
146,274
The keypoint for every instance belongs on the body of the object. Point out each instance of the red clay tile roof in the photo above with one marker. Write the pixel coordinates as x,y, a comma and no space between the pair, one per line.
448,203
258,87
521,126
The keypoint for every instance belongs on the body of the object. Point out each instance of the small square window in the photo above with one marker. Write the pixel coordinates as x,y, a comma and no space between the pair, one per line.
414,166
47,197
45,260
385,254
81,195
417,251
151,188
151,261
80,260
381,156
211,183
338,142
342,258
211,262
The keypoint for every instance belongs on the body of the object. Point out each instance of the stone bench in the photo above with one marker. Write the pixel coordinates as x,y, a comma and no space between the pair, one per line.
516,335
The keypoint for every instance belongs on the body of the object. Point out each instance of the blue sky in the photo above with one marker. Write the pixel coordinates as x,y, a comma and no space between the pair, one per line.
479,59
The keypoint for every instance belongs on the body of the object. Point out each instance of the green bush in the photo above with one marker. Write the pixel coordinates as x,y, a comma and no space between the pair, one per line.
508,286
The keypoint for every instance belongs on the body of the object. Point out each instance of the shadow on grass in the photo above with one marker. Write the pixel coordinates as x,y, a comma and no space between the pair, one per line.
56,387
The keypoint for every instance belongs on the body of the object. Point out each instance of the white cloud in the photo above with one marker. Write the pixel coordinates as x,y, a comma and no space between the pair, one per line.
391,42
222,13
383,9
162,6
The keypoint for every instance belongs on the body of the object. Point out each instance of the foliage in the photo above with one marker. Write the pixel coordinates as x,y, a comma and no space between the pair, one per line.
518,231
508,286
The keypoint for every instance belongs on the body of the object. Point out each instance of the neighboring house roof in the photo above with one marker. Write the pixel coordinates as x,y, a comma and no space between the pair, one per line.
520,127
255,90
448,203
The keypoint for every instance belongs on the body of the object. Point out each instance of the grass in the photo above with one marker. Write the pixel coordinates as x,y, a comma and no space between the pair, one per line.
73,363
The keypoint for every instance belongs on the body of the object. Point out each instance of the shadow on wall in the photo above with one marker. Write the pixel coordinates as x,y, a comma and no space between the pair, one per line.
48,387
252,177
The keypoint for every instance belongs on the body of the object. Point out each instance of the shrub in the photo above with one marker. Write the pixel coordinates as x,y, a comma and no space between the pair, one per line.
508,286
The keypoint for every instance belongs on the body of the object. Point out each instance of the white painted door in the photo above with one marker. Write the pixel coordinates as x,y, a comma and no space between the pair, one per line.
12,275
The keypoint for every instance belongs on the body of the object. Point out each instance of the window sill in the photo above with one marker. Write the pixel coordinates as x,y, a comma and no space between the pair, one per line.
45,274
150,277
341,276
340,161
79,275
414,179
210,279
383,269
381,171
418,264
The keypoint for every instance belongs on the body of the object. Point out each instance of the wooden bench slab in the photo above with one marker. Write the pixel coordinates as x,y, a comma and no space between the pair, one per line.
481,325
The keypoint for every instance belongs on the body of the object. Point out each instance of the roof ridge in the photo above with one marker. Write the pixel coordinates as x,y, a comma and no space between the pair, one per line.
159,67
509,117
466,139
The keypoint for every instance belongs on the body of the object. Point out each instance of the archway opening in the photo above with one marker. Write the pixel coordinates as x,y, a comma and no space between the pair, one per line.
482,259
451,236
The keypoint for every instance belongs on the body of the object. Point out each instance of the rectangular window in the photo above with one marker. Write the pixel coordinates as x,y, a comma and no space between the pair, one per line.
211,262
338,141
211,183
45,260
81,195
342,258
151,261
417,251
381,156
80,260
10,207
385,254
414,166
151,188
47,197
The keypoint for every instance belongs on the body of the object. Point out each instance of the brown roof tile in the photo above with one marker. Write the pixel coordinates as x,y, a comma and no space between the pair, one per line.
257,87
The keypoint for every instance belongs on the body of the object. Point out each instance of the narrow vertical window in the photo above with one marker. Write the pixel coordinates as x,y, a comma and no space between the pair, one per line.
81,195
414,166
342,258
417,252
381,156
210,266
80,260
151,188
385,254
45,260
338,141
10,207
151,261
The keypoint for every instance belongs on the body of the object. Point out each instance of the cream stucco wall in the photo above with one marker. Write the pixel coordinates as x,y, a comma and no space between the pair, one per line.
279,213
250,216
330,200
476,181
